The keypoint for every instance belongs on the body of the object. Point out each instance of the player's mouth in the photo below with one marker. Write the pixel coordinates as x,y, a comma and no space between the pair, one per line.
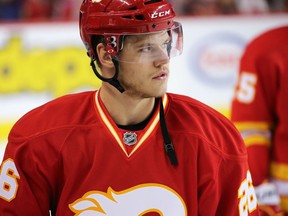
161,76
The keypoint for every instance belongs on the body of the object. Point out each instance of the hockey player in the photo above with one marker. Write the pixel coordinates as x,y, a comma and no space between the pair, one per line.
260,111
129,148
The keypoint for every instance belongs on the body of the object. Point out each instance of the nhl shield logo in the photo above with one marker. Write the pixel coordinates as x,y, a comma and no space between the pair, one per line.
130,138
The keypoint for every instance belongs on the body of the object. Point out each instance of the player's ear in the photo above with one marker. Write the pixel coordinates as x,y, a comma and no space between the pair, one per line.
104,57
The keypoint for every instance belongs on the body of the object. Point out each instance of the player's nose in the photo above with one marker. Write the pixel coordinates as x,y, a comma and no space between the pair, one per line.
161,58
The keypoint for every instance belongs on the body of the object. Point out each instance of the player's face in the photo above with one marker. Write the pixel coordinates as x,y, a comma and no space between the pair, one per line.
144,64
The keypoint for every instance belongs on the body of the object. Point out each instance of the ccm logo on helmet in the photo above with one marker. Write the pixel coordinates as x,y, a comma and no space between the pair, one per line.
160,14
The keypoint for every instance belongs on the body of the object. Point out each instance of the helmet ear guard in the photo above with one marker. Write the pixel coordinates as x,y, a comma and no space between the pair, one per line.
112,44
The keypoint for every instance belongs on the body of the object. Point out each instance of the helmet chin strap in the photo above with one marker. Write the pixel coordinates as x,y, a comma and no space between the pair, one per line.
113,80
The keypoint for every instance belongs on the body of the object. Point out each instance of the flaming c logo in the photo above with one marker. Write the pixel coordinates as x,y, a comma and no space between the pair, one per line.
135,201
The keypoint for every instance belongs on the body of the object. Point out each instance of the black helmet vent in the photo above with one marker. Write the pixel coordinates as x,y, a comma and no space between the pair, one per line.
127,17
139,17
133,8
152,2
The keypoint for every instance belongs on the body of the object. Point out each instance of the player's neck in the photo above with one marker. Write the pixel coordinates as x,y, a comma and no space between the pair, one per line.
126,110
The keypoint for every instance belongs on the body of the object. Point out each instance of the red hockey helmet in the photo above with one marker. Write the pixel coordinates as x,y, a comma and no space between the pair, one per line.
113,18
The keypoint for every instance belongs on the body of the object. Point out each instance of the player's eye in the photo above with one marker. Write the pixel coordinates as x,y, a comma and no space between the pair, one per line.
146,49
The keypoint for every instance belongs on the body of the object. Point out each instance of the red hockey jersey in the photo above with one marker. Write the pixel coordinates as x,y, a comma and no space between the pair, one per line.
69,156
260,108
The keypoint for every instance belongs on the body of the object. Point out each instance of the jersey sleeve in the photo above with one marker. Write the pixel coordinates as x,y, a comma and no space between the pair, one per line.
28,177
236,175
259,108
225,183
230,190
23,190
251,110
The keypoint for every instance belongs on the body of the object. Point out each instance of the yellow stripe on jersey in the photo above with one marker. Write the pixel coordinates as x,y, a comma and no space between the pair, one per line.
255,133
107,123
256,140
284,203
279,171
247,124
